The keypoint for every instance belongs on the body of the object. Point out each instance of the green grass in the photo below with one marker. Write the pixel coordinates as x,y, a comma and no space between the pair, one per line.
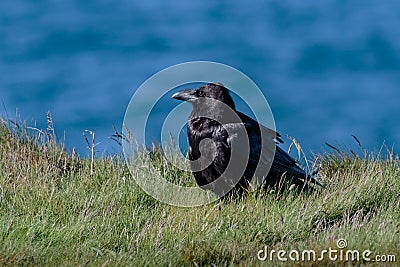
54,212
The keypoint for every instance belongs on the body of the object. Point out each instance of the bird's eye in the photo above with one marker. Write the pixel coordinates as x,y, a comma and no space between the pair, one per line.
200,93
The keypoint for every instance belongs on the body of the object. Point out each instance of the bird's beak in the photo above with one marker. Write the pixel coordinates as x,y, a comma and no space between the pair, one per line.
186,95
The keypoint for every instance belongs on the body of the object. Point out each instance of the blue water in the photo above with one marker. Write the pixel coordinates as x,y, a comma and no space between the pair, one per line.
329,69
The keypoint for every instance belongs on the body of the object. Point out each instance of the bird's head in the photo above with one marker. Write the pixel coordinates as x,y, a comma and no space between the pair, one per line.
209,91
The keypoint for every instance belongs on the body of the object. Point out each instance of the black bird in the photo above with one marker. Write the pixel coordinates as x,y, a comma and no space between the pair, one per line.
225,143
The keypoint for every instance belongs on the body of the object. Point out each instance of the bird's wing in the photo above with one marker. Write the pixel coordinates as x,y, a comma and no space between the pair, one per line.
269,132
265,156
251,142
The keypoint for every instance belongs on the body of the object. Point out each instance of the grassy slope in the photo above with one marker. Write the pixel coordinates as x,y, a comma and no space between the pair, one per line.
52,212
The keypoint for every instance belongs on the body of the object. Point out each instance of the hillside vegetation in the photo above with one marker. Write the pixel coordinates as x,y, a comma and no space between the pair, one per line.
57,209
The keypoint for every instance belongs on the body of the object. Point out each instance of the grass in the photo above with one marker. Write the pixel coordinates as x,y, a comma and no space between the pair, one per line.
54,211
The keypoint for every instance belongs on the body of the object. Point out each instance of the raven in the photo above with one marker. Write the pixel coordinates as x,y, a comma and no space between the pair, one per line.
225,143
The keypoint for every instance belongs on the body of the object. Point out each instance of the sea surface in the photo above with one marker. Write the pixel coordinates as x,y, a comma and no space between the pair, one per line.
329,69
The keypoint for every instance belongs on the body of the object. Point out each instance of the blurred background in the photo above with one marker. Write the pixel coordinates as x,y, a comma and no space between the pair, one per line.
329,69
